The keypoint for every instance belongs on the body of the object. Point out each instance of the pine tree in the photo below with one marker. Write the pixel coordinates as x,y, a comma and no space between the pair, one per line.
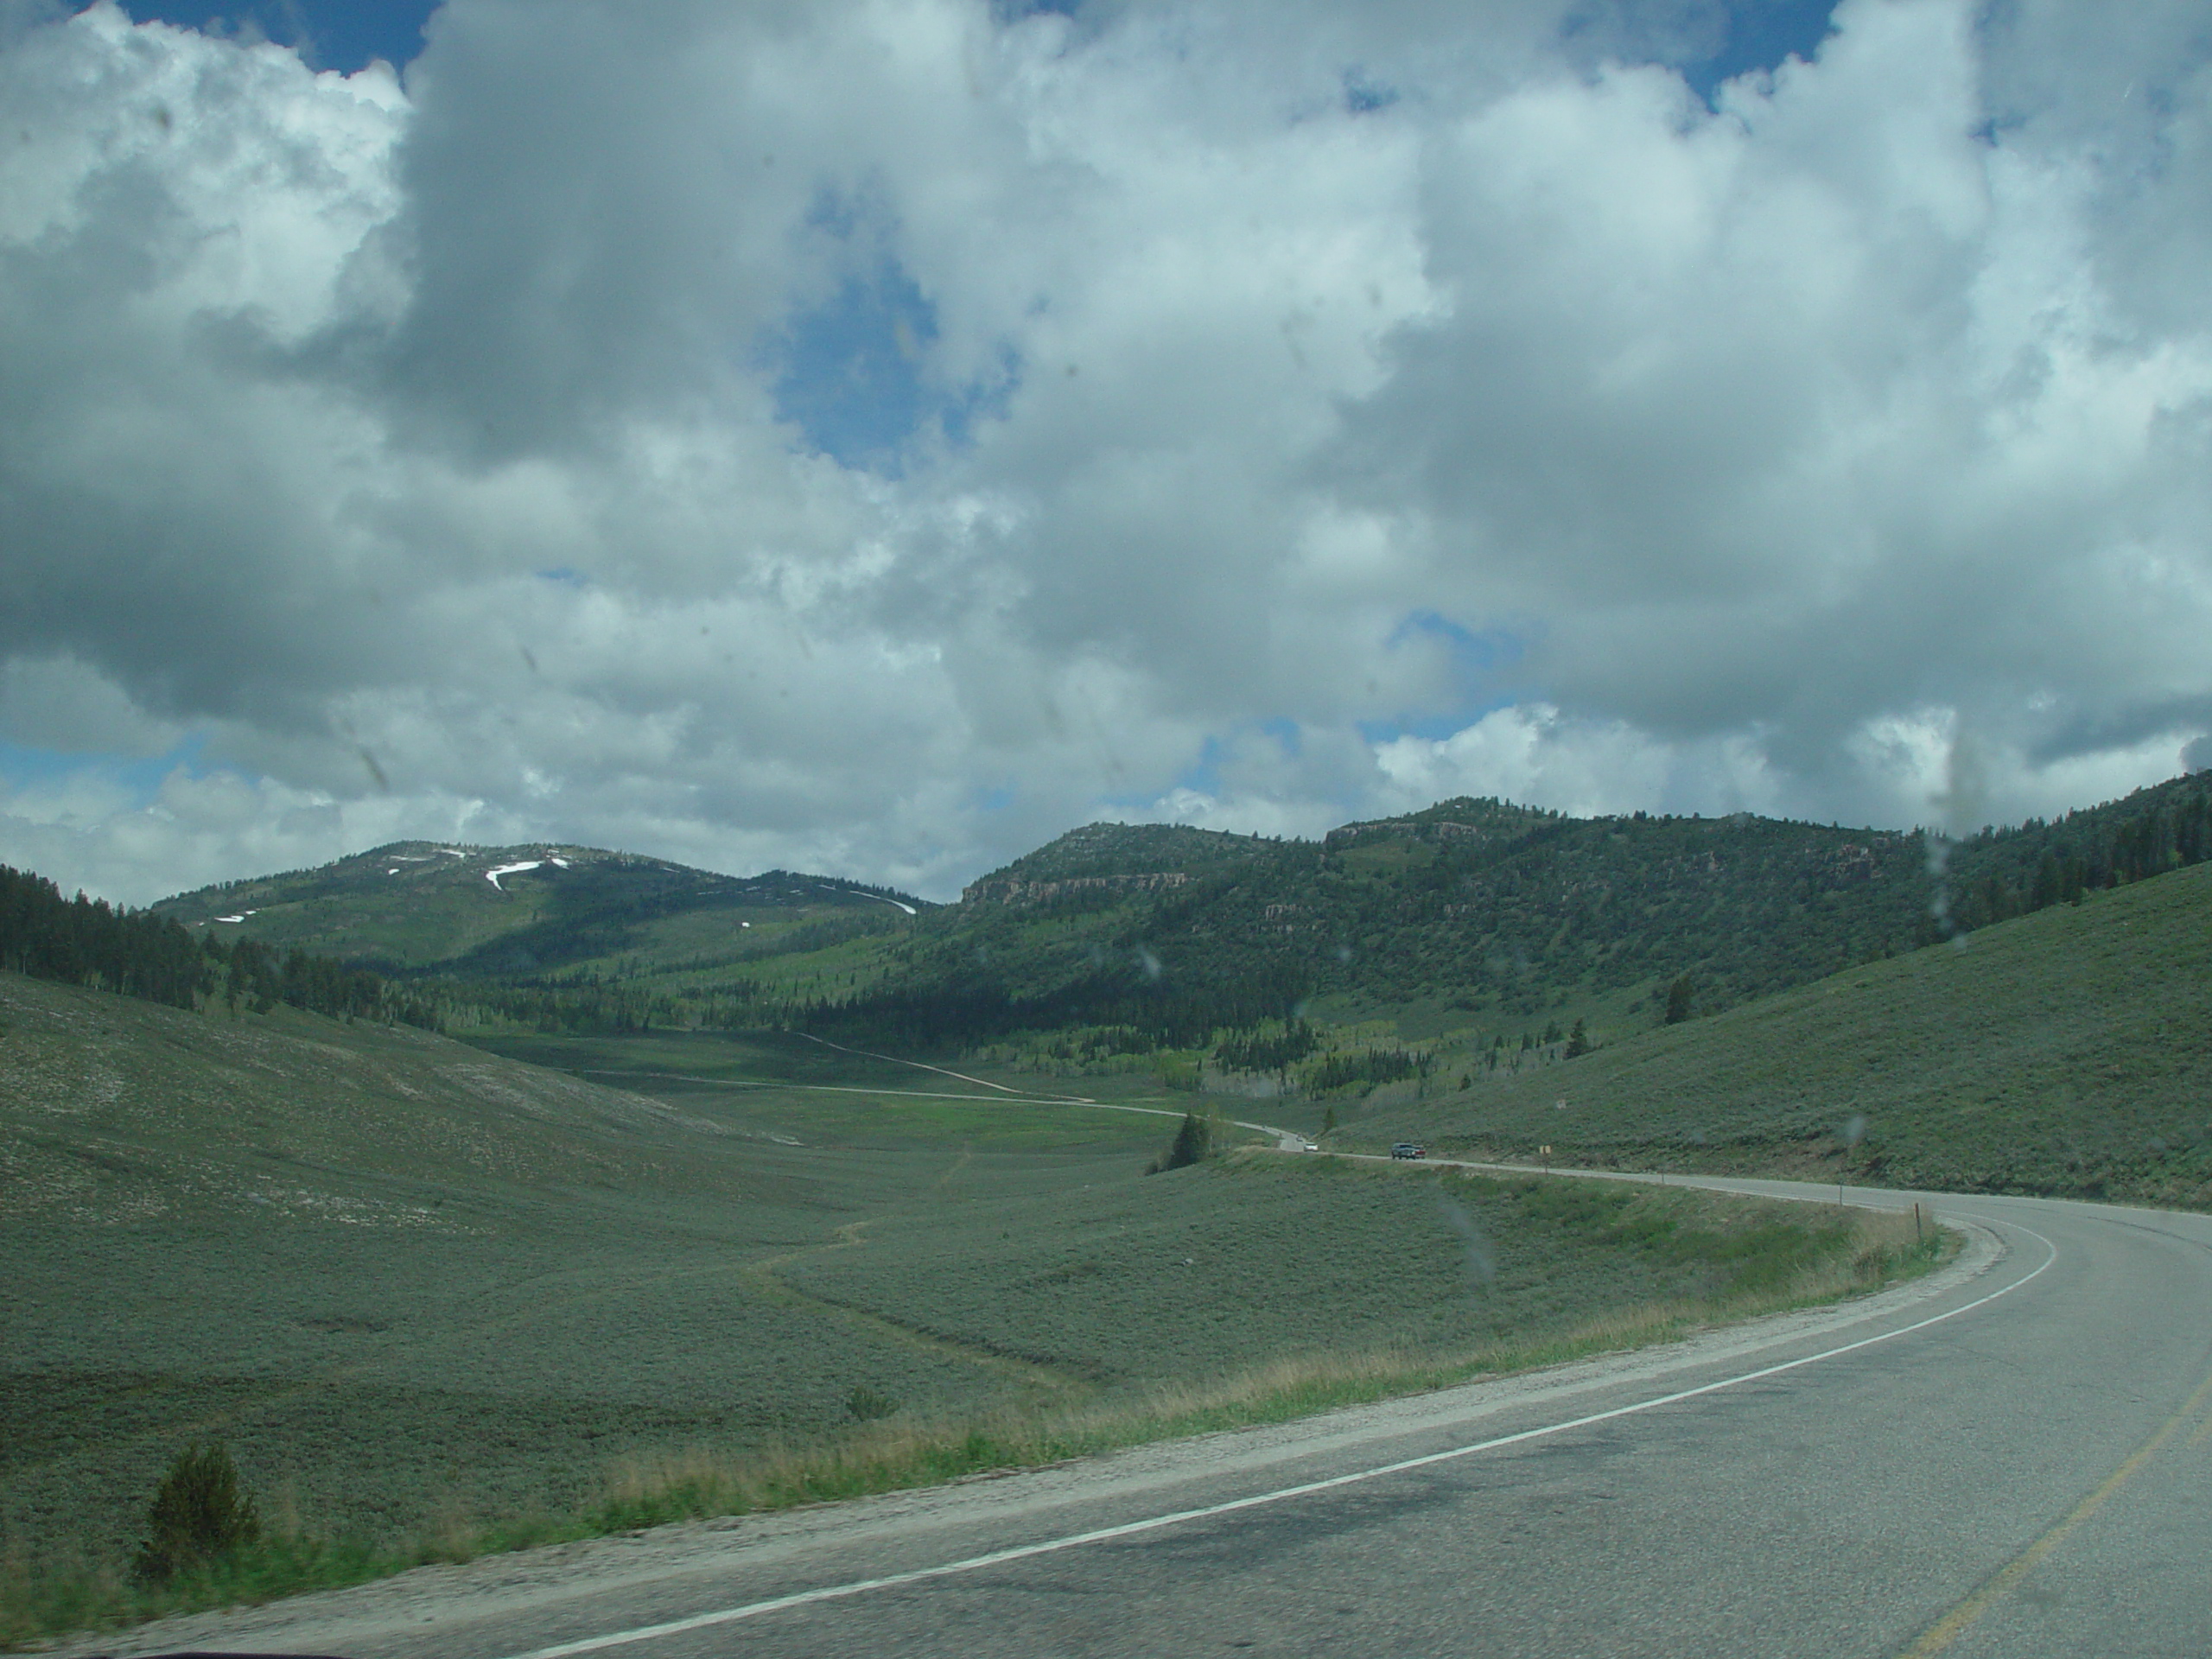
2049,881
1193,1143
1578,1040
1678,1001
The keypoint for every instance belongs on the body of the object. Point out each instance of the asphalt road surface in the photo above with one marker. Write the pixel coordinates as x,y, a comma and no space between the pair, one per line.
2015,1458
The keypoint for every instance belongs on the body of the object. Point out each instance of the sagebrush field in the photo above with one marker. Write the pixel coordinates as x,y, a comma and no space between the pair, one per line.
433,1300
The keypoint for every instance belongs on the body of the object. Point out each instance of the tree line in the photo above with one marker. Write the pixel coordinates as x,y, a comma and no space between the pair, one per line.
136,953
2001,873
1162,1012
88,941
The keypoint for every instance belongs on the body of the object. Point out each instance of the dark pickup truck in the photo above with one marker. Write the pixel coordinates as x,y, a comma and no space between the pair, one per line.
1410,1149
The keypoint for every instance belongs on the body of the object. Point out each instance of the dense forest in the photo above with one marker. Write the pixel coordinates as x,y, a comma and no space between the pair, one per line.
1149,1011
84,941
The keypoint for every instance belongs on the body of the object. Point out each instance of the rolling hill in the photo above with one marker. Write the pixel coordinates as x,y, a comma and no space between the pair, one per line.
1478,918
2066,1052
506,912
1470,914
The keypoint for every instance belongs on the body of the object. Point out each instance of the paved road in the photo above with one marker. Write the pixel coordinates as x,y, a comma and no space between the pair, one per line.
2015,1461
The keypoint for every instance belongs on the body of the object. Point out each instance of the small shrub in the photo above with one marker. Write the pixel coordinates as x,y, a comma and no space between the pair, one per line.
199,1515
866,1405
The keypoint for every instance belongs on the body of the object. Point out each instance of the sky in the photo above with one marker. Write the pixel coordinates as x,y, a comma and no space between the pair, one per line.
875,436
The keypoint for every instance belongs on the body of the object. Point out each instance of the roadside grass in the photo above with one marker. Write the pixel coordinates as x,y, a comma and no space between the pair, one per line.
2066,1053
1209,1270
748,1056
1864,1252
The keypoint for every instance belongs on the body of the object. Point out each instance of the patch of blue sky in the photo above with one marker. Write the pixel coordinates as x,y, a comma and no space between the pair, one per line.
852,373
1203,776
1287,732
1001,800
1475,655
141,776
1363,96
341,35
1708,42
565,576
1475,659
1430,729
1762,35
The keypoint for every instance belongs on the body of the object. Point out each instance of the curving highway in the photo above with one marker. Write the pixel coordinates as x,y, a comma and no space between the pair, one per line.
2014,1457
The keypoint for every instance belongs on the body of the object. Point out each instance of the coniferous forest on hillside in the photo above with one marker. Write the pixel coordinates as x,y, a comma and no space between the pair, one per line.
88,941
1141,938
1498,911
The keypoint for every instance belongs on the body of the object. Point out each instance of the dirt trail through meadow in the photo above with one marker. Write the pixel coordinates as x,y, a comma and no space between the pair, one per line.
767,1282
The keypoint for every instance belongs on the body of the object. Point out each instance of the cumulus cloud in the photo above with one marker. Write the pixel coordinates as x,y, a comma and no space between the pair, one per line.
878,436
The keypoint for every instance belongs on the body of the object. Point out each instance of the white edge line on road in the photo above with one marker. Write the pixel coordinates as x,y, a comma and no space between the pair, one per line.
1153,1523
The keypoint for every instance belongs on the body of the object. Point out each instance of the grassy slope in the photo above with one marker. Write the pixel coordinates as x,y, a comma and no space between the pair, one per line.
2068,1052
422,1291
1128,1282
398,1275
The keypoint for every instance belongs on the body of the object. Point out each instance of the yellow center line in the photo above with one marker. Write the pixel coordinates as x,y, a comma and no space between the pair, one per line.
1962,1617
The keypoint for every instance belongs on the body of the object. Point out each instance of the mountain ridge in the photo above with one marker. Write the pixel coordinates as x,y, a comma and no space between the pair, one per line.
424,905
1482,912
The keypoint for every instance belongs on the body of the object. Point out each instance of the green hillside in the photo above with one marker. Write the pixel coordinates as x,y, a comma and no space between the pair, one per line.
435,1300
1116,858
564,937
403,1279
1471,916
2067,1051
1461,927
504,910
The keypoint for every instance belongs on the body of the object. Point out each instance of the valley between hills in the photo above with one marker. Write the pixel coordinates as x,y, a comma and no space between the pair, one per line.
471,1212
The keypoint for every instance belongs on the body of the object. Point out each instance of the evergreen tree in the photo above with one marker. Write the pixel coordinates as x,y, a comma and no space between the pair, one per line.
1578,1040
1193,1142
2049,881
1678,1001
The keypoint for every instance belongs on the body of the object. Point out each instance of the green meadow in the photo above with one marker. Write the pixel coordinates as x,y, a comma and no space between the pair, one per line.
436,1299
